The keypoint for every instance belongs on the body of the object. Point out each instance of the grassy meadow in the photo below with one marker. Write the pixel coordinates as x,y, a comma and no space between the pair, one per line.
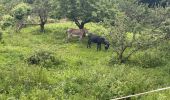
80,73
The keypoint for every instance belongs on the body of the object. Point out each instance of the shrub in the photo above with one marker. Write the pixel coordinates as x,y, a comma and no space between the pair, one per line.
21,10
51,21
8,21
164,49
44,58
150,60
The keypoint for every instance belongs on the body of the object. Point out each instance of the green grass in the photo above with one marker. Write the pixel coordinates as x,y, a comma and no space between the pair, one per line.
84,73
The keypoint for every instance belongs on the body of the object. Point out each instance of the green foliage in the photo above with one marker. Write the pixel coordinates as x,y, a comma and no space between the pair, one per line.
136,27
2,10
149,60
84,75
21,10
164,50
1,35
155,3
85,11
7,21
42,8
165,28
43,58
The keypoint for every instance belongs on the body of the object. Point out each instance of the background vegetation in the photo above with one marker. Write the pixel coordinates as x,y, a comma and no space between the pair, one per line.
37,64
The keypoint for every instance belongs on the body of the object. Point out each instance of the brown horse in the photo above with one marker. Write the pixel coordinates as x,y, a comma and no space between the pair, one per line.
76,32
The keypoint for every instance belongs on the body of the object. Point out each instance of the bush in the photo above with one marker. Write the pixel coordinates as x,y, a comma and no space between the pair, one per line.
21,10
164,49
51,21
150,60
8,21
44,58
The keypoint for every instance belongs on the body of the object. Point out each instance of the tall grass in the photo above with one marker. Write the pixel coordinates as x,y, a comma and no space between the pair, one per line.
84,74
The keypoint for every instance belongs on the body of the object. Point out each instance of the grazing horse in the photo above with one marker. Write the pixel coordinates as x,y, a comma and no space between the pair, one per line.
76,32
99,40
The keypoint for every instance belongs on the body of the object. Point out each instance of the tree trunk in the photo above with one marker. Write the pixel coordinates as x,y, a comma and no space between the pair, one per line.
43,19
81,26
120,58
20,25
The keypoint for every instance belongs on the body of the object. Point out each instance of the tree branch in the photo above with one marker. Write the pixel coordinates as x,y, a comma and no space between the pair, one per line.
86,21
76,22
130,54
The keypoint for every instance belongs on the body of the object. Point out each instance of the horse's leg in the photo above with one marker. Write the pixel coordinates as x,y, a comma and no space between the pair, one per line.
68,37
97,47
89,44
100,46
80,39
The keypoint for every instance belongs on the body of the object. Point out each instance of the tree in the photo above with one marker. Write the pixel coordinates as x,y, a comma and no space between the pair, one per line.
7,21
20,11
136,28
9,4
83,11
2,10
42,9
153,3
75,10
165,25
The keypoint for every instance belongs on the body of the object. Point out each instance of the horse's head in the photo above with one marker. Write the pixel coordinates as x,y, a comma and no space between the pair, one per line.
107,45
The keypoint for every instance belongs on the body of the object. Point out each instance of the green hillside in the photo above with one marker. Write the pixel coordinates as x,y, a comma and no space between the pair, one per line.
77,73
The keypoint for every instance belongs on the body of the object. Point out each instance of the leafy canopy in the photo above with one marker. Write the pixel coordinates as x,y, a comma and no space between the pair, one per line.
20,10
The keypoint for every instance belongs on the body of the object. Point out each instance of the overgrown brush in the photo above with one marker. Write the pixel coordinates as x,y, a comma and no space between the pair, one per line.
149,60
84,75
1,36
43,58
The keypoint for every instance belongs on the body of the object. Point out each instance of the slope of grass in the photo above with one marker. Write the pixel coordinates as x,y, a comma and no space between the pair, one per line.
84,73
